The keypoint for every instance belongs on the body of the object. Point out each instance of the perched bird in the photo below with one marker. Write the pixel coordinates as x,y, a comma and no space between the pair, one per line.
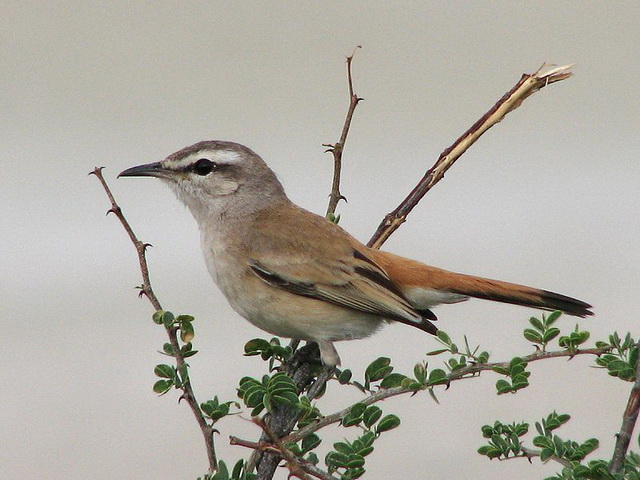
295,274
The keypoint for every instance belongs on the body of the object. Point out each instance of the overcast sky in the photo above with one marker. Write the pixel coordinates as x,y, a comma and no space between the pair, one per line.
549,198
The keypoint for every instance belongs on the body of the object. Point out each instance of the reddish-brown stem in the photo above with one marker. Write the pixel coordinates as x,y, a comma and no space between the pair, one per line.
147,290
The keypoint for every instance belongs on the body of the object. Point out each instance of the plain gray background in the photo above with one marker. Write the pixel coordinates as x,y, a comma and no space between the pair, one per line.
549,197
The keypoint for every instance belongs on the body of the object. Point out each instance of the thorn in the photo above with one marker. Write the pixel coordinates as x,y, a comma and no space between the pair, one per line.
342,197
182,397
146,245
113,210
96,171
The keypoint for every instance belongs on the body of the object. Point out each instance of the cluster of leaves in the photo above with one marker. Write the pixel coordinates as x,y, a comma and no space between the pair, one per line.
347,457
622,359
271,350
543,330
272,390
380,374
170,376
504,441
518,376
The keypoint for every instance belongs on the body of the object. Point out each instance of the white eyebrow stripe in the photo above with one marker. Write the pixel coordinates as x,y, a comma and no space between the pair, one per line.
223,157
226,156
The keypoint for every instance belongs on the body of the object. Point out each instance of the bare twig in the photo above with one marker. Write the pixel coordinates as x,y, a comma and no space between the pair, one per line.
528,84
337,148
141,248
147,290
629,419
466,372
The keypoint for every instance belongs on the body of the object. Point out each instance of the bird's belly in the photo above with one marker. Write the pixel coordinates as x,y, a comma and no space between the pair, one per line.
309,319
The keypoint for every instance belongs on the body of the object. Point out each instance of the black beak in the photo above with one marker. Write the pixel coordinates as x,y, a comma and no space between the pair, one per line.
148,170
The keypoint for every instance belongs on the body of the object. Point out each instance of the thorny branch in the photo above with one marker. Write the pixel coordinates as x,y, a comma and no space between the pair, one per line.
528,84
147,290
629,418
337,148
466,372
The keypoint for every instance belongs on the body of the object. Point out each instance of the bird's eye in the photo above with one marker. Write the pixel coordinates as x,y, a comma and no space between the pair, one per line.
204,166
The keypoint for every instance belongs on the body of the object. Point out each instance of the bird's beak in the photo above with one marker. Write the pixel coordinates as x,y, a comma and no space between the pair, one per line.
148,170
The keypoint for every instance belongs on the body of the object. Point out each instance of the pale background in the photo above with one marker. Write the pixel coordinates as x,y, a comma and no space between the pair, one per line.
549,197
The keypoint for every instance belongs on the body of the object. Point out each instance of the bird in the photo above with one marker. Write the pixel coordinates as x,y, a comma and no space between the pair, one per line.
296,274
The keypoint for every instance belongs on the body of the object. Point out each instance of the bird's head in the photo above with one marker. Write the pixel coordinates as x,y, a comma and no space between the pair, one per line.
215,176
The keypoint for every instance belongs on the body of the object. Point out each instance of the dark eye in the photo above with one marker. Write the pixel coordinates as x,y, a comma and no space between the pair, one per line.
204,166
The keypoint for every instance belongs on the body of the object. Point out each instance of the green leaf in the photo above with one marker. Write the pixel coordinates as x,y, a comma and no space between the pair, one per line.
165,371
546,454
533,336
443,337
503,387
483,357
167,349
437,376
355,461
501,370
371,415
500,444
537,324
336,459
257,346
550,334
354,417
222,473
388,422
552,317
157,317
342,447
542,441
344,376
186,331
378,369
167,319
392,380
162,386
310,442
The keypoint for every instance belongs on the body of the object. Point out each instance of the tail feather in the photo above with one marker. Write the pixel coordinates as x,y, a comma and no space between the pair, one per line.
515,294
409,275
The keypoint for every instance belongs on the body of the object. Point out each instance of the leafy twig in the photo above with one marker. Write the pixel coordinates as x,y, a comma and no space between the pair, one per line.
147,290
528,84
464,372
528,453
